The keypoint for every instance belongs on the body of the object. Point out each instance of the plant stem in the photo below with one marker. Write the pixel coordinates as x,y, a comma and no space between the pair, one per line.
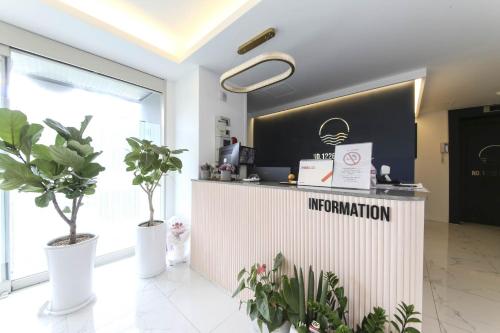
151,209
59,211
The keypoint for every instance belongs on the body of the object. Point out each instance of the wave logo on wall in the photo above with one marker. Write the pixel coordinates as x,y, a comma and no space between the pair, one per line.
334,131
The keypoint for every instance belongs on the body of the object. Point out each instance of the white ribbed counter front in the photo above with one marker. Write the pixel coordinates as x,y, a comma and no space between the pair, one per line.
379,262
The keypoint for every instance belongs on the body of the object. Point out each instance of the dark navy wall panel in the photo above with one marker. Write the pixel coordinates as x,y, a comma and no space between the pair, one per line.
384,117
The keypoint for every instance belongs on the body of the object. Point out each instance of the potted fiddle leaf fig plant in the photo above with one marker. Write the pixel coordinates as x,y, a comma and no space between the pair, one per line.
149,163
63,169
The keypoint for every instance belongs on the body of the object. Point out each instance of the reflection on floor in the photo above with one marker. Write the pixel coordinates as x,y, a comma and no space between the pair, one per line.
461,294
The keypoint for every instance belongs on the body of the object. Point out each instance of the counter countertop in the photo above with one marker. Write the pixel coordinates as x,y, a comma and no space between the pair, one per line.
381,192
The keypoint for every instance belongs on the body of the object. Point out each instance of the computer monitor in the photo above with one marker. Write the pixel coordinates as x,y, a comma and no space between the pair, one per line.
230,154
247,155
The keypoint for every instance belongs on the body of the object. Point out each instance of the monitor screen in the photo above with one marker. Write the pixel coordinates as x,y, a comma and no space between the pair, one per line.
230,154
247,155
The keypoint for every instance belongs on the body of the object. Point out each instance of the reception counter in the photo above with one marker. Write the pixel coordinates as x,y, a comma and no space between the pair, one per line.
373,240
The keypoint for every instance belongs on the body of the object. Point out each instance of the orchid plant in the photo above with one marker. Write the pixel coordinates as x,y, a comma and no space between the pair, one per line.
227,167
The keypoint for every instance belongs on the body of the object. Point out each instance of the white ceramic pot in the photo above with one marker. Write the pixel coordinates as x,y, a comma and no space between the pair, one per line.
151,249
284,328
225,175
71,268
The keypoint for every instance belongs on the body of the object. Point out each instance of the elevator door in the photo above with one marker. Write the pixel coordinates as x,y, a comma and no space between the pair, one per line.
480,170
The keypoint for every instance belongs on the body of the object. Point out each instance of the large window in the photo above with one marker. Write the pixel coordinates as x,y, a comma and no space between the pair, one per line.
42,89
3,226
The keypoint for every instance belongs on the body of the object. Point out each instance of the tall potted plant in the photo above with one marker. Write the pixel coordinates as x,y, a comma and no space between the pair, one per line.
65,168
149,163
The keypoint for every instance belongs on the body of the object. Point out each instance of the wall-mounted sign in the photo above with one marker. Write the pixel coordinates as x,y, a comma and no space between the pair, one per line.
315,173
334,131
374,212
353,166
385,117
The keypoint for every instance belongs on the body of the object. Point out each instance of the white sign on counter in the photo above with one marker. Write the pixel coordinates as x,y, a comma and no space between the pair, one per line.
315,173
353,166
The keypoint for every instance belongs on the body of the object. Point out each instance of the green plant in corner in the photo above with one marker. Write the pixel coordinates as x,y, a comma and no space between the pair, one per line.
267,305
67,167
374,322
407,315
149,163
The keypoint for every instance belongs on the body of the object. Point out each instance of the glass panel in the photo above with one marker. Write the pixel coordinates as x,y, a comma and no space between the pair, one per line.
3,226
43,89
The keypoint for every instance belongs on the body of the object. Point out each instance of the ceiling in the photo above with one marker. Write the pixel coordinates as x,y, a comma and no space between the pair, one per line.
336,43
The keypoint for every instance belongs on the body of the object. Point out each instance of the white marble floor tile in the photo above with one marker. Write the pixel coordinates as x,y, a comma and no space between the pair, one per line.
461,294
430,325
237,322
203,303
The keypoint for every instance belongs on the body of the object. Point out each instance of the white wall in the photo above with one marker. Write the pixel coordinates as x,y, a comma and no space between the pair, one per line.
196,104
432,167
186,135
211,106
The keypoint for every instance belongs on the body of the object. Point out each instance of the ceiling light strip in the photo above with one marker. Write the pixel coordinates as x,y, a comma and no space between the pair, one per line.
271,56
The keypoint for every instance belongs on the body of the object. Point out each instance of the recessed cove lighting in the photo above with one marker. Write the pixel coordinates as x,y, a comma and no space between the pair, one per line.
498,93
173,29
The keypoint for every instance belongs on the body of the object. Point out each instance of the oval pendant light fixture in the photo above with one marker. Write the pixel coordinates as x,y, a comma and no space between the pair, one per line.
266,57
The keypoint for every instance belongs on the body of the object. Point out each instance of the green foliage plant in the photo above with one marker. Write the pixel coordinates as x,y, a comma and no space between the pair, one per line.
266,305
374,322
149,163
407,315
66,167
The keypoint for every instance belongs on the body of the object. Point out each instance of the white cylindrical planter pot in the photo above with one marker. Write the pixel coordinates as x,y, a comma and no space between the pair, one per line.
284,328
71,268
151,249
225,175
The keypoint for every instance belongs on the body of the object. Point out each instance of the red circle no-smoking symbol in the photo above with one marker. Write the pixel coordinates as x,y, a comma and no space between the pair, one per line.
352,158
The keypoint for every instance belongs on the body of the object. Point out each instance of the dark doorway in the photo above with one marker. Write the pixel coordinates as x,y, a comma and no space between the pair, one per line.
474,166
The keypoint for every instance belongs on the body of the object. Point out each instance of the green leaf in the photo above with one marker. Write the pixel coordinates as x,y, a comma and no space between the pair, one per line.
44,199
7,162
81,149
134,144
60,141
84,124
41,152
59,128
176,162
91,170
30,134
19,177
240,287
178,151
137,180
47,168
263,304
66,157
11,123
411,330
66,210
278,260
241,273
